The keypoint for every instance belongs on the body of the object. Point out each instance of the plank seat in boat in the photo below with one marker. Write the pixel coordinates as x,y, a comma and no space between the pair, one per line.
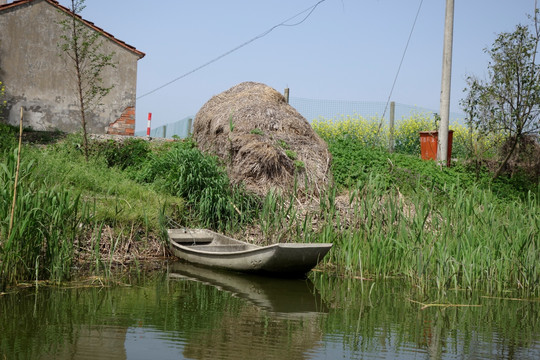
221,248
182,238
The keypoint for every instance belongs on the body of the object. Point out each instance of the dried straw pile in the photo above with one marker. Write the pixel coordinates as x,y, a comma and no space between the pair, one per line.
264,142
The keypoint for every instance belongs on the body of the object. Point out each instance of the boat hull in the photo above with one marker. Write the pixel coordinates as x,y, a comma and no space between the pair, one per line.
284,259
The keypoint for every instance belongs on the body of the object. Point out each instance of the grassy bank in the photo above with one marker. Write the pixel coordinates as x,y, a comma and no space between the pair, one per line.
388,215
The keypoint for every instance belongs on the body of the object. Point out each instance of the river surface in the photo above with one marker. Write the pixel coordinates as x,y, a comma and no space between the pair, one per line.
187,312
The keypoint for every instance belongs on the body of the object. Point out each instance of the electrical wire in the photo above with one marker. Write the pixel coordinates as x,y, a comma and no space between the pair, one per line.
309,10
402,58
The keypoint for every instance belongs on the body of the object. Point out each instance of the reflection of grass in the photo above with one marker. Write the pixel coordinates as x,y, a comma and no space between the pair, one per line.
361,316
366,309
200,317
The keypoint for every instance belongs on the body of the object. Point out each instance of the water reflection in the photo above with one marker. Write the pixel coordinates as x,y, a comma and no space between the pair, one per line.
280,297
90,342
281,323
196,313
386,320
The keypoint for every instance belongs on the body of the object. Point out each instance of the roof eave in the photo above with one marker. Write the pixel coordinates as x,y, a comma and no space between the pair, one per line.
90,24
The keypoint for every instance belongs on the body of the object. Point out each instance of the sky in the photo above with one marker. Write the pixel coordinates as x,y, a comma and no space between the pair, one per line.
345,50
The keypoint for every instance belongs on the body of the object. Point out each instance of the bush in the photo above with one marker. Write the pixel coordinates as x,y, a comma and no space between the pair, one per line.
368,132
355,163
407,134
185,172
8,137
125,154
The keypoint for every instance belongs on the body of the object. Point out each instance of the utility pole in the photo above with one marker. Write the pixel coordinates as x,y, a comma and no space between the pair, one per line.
442,148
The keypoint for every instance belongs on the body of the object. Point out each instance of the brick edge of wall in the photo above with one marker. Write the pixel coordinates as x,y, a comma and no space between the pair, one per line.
125,124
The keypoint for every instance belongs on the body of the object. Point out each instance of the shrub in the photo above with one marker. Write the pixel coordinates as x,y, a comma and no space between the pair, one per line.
406,134
186,172
369,132
8,138
125,154
407,137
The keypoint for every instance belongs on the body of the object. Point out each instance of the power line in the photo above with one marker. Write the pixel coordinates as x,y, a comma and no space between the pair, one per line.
309,11
402,58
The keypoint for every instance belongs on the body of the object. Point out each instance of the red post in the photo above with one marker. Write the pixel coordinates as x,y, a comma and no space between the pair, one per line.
148,128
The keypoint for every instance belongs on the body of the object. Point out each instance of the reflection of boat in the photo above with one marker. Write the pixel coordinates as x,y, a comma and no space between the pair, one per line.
205,247
288,297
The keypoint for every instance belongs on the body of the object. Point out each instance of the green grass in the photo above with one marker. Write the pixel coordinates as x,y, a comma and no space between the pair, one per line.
115,198
63,206
39,242
388,215
201,180
8,137
469,241
393,215
354,163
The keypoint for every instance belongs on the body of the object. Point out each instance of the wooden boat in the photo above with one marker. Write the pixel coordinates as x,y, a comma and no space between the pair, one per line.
208,248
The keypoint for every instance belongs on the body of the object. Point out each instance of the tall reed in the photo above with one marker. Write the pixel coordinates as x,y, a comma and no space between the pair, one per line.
467,240
444,238
45,226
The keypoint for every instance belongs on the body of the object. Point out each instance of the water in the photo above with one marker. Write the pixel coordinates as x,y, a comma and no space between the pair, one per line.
188,312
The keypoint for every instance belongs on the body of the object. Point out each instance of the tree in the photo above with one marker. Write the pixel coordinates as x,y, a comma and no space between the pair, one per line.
82,47
508,102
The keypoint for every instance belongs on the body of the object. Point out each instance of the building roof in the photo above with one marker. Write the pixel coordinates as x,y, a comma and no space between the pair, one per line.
54,3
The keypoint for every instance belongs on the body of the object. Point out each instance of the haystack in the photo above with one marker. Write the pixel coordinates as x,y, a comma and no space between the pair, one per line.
263,141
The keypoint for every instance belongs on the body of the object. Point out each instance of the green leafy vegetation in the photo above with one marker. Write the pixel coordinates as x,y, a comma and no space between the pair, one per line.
388,215
508,102
257,132
468,239
291,154
69,210
282,144
8,140
354,163
439,227
126,154
299,165
39,242
185,172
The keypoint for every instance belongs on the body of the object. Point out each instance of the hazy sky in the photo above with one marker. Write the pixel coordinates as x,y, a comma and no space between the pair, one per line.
345,50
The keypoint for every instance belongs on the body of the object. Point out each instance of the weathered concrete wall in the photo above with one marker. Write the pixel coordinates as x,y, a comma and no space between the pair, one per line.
38,76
